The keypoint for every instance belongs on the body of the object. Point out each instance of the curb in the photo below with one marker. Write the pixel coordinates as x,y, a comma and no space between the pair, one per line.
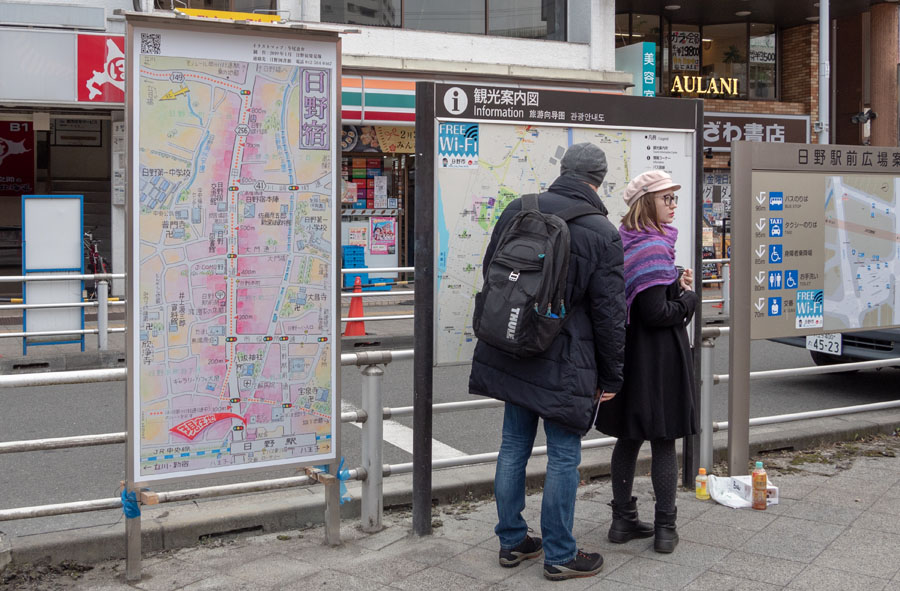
168,527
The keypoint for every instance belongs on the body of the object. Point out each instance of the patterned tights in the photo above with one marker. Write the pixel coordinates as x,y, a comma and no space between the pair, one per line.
663,471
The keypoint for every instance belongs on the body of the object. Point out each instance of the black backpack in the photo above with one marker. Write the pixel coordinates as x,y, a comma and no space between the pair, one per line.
520,308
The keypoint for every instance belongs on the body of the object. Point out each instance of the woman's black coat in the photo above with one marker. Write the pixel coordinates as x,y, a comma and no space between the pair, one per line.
657,398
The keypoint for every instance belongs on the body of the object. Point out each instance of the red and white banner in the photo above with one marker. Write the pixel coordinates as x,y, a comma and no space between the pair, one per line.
101,68
16,158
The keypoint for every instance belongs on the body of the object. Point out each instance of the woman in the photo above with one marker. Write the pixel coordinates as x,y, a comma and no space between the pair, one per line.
656,401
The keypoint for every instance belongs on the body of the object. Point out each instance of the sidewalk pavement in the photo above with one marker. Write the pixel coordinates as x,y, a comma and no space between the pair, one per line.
837,527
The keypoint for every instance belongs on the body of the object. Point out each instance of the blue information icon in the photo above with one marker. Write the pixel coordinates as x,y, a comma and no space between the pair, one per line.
776,227
776,200
775,254
775,279
791,279
774,308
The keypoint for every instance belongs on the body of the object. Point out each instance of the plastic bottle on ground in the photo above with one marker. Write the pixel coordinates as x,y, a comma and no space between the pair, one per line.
759,487
700,488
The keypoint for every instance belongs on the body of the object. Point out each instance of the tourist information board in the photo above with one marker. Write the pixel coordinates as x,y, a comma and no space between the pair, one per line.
233,316
819,235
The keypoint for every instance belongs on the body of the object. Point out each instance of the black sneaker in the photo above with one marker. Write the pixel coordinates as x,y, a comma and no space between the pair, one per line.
584,564
529,548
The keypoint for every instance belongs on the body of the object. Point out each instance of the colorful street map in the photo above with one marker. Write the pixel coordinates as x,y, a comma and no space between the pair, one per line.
236,285
513,160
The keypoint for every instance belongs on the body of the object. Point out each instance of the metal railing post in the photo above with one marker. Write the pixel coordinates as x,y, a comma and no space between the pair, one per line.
103,315
707,347
372,506
726,290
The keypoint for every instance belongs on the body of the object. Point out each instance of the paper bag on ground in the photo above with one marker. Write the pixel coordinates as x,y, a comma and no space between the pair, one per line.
737,491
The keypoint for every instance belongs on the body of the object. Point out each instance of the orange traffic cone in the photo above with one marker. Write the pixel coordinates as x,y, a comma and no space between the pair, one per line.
356,328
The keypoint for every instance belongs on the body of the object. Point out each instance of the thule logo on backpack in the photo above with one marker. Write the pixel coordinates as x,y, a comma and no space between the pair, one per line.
511,326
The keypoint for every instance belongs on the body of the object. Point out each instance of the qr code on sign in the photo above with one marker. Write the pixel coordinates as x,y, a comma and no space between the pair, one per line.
150,43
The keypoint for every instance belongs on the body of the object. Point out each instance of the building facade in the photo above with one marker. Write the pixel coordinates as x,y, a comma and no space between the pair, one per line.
754,62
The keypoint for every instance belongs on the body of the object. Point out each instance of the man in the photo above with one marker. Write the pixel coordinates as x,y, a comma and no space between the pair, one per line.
581,368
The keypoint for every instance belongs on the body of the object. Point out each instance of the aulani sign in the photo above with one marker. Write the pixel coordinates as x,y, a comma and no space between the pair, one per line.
692,84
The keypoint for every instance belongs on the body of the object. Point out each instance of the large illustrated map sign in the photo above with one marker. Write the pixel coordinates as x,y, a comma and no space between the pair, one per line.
233,363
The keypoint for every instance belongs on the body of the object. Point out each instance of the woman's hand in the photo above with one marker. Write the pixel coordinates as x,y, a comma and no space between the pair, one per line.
603,396
687,280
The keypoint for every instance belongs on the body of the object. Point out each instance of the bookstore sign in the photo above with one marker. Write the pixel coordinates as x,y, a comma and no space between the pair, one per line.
720,129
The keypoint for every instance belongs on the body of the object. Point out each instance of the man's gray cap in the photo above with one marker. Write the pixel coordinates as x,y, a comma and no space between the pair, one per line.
584,161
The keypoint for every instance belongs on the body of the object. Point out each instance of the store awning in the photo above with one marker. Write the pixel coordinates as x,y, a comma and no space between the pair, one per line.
370,101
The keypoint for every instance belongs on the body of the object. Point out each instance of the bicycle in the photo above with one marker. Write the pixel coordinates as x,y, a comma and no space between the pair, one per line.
94,262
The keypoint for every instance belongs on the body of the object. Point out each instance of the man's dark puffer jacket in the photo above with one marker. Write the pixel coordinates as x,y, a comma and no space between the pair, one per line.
559,384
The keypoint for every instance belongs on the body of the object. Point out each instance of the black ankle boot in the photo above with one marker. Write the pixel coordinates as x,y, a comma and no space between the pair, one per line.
666,535
625,523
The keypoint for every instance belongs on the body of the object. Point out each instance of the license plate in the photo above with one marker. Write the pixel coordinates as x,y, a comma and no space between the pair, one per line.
825,343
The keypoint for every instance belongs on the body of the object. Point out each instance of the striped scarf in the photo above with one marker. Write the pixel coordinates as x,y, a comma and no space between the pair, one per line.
649,260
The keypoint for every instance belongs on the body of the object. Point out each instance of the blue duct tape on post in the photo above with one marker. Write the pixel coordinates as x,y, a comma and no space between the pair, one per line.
342,475
130,505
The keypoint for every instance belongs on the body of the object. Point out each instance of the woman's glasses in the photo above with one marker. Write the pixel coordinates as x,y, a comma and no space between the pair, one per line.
669,199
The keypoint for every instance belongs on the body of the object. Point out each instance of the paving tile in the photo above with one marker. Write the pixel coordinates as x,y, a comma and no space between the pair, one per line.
274,571
384,538
815,578
430,551
841,496
592,511
805,528
825,513
654,574
778,544
687,553
887,504
463,529
714,534
222,583
437,578
482,565
224,557
766,569
608,585
713,581
885,522
864,552
866,477
381,567
746,519
172,574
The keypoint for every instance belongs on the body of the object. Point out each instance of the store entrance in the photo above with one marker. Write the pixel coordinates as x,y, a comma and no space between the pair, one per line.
71,158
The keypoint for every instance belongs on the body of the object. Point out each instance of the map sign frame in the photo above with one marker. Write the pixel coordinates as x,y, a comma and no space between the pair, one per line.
493,144
820,232
233,222
779,238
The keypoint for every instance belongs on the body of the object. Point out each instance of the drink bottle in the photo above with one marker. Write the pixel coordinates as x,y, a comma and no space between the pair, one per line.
759,487
700,488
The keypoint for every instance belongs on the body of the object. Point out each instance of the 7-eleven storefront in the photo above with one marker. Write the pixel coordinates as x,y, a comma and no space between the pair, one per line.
378,168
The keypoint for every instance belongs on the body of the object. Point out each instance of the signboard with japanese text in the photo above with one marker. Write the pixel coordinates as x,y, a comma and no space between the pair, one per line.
16,158
685,51
821,230
233,224
639,60
720,129
500,143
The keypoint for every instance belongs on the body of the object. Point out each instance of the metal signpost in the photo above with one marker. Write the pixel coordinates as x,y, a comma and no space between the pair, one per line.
815,231
480,147
233,355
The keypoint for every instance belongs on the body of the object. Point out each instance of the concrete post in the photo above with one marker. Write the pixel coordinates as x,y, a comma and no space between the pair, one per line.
372,451
824,71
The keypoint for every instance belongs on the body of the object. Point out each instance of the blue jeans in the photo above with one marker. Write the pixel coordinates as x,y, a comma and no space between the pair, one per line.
560,484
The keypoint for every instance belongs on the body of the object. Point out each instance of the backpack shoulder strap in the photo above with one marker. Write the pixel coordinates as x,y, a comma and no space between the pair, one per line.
577,211
530,201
